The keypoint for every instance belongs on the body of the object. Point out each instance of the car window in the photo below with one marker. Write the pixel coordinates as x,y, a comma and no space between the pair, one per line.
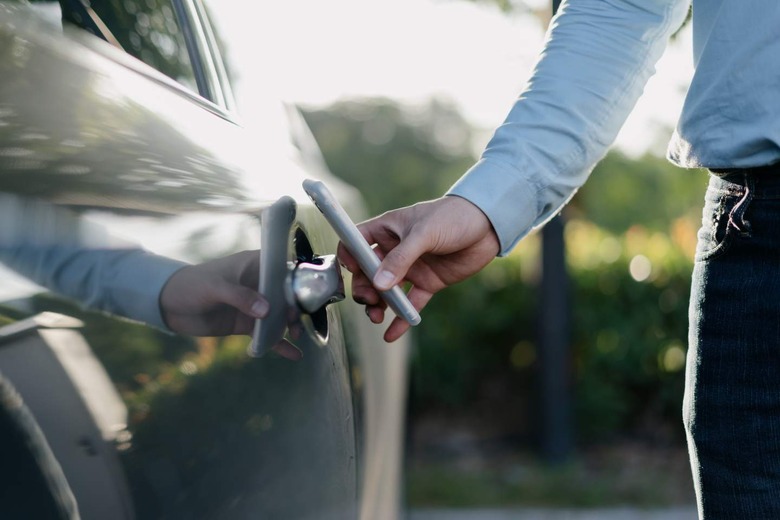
150,30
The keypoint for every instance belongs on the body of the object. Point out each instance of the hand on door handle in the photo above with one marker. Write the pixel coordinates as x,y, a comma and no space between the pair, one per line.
291,286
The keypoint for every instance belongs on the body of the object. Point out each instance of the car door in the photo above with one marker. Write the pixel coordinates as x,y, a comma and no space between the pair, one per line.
127,139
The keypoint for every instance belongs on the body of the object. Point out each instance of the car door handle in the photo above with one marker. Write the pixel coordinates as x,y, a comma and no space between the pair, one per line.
318,283
292,286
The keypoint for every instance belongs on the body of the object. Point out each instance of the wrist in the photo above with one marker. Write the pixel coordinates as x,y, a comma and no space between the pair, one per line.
475,219
507,198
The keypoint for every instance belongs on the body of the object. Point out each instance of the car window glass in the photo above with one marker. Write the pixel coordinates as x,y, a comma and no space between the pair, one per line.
150,31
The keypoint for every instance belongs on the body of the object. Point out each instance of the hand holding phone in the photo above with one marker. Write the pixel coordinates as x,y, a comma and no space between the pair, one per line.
366,258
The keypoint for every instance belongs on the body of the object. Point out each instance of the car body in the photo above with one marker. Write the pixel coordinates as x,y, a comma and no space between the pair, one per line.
130,138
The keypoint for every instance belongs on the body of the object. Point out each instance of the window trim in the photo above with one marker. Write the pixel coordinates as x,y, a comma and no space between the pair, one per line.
201,43
190,40
217,58
208,70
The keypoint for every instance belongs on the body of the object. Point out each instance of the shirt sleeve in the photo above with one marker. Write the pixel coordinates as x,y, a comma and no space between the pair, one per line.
596,61
126,282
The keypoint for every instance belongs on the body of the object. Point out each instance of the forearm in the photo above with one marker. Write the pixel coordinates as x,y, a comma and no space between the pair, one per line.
598,56
126,282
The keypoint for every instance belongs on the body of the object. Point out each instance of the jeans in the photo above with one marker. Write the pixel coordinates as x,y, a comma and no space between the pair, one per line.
731,408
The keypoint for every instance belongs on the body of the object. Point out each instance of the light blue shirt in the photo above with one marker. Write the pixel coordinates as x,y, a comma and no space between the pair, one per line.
126,282
597,59
55,248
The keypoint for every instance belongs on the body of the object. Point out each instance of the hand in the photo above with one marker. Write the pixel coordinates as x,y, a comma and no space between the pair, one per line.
431,245
215,299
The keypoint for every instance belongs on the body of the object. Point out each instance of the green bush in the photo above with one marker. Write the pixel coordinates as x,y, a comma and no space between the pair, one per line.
476,351
628,337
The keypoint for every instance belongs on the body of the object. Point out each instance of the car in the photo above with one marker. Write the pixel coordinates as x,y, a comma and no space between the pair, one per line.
118,130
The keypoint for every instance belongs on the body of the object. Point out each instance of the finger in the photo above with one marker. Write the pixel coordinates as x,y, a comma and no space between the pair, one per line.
366,295
249,265
288,351
246,300
379,252
345,256
346,259
419,298
244,324
399,260
383,230
376,313
363,291
398,327
370,227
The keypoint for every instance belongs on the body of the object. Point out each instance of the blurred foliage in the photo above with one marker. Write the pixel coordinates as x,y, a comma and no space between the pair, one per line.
630,327
395,155
628,338
649,191
639,474
630,239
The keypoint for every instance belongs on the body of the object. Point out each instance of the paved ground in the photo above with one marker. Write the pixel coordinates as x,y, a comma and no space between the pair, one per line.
553,514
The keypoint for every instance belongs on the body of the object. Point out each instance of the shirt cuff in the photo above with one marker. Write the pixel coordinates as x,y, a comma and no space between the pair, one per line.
507,199
143,286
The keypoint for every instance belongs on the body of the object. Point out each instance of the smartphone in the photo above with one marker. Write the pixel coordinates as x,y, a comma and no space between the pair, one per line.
355,243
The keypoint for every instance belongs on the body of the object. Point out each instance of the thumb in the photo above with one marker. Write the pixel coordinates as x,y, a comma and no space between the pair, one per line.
399,260
244,299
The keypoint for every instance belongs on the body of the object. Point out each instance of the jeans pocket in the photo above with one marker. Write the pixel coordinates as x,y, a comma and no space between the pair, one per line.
715,234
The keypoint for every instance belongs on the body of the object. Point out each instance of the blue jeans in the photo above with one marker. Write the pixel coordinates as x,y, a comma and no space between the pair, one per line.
731,409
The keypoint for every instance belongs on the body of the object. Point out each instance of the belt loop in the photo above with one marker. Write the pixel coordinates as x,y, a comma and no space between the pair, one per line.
737,216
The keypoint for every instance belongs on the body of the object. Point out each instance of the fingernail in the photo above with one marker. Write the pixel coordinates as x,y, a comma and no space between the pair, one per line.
260,309
384,280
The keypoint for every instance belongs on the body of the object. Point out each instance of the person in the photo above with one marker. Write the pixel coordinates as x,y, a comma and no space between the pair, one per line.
214,298
596,60
55,248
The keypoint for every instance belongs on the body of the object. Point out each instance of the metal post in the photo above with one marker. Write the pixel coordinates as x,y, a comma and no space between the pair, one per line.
554,356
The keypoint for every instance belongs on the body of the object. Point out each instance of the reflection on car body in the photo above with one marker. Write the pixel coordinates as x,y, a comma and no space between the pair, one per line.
133,142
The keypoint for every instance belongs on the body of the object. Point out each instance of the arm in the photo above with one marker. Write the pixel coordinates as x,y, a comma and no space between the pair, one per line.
597,59
598,56
126,282
209,299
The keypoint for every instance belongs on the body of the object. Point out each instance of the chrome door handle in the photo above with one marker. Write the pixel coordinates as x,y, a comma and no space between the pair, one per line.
291,286
317,284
